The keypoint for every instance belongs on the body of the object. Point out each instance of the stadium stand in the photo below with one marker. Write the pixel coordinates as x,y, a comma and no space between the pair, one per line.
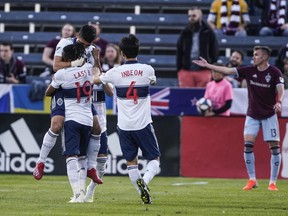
29,25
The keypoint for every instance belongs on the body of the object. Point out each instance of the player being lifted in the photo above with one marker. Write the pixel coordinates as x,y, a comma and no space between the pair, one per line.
76,84
85,37
132,81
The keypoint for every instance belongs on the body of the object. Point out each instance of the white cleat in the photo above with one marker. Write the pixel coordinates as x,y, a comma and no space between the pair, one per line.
89,198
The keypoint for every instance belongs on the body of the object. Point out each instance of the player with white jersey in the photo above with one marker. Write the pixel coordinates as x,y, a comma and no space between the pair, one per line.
85,37
76,84
132,81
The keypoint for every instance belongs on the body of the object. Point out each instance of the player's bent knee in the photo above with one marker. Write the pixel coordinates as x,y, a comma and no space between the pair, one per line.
248,147
275,150
57,124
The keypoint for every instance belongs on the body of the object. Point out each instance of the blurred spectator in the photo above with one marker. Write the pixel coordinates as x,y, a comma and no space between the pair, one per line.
48,54
220,92
273,17
236,59
251,6
12,69
285,73
112,57
229,17
282,54
197,39
100,42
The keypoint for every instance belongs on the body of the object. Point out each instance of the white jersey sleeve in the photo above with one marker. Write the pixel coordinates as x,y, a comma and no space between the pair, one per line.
58,79
62,43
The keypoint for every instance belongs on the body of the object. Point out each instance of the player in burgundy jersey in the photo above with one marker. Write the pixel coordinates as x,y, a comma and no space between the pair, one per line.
265,94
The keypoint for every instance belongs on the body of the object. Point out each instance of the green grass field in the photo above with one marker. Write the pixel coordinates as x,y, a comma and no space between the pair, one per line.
22,195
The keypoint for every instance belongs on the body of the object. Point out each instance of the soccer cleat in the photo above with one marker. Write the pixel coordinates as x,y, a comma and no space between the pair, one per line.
91,173
250,184
38,171
145,196
272,187
89,198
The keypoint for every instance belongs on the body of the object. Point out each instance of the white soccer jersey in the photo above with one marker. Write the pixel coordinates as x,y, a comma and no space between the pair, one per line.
67,41
76,83
132,81
100,106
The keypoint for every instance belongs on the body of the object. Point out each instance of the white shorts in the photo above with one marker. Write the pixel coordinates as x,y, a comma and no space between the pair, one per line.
270,128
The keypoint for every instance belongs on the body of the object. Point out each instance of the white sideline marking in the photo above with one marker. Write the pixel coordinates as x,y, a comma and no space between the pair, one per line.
189,183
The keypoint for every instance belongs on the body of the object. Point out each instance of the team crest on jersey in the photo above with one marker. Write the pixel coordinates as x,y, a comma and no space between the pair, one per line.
268,78
281,79
59,101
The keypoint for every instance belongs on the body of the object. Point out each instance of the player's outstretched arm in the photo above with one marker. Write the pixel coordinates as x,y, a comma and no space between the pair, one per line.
225,70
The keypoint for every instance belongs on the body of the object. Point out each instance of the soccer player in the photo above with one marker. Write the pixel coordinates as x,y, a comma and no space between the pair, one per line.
132,80
85,37
265,84
77,84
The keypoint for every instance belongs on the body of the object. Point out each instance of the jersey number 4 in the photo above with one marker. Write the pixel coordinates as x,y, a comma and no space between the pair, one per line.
132,92
83,90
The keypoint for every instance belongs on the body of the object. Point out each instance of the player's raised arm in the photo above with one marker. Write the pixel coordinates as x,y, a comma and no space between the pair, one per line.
225,70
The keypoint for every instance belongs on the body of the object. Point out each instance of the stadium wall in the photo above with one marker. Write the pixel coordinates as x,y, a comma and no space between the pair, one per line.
21,138
190,147
213,147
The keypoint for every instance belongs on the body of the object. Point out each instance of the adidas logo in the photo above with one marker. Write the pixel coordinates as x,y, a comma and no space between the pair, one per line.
255,76
19,150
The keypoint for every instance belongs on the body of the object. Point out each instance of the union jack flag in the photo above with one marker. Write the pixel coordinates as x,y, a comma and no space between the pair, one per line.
158,102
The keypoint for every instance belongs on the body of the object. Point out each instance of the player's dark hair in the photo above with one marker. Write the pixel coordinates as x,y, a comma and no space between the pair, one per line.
73,51
266,49
130,46
87,33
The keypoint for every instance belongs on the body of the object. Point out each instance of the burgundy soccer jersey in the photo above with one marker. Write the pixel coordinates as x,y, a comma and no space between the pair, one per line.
261,90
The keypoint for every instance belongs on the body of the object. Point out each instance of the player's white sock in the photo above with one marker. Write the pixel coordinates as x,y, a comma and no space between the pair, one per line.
100,168
134,174
49,141
152,169
92,150
82,164
73,175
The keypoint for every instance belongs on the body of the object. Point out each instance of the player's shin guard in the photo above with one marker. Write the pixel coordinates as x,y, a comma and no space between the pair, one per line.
92,150
249,159
73,175
152,169
134,175
101,166
49,141
82,164
275,163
